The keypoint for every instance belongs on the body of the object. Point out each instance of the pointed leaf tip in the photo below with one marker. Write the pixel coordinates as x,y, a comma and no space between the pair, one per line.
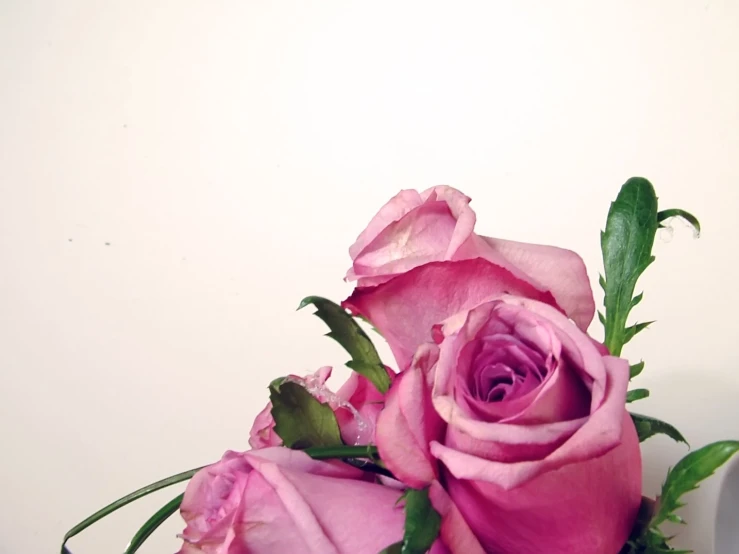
636,394
688,473
345,330
649,426
636,369
687,216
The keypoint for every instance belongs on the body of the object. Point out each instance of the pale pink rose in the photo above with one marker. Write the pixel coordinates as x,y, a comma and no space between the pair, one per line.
280,501
356,405
414,229
527,419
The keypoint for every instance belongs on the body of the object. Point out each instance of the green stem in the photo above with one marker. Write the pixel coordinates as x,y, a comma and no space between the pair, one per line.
316,452
153,523
110,508
341,451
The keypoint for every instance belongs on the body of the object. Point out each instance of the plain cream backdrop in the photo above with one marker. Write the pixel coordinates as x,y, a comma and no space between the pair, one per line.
176,176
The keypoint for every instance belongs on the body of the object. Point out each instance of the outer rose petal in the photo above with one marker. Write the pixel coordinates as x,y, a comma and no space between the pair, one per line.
548,268
430,227
405,309
280,501
552,510
393,210
262,433
405,428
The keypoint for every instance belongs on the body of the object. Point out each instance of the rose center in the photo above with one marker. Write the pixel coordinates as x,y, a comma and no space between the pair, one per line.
504,369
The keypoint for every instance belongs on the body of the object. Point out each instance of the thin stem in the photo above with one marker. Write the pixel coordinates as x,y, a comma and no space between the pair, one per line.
110,508
341,451
153,523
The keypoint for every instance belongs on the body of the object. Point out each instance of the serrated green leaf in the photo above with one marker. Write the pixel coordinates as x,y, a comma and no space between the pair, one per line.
637,299
687,216
601,318
627,251
347,332
636,394
422,522
636,369
301,421
602,281
632,330
153,523
648,426
688,473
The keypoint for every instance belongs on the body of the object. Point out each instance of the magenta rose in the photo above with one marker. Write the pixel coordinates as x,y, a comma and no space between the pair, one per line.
356,406
414,229
280,501
523,418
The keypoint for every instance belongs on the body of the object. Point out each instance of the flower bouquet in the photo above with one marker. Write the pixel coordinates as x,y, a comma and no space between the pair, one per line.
500,426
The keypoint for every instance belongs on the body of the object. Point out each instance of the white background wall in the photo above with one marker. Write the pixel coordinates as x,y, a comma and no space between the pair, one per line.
176,176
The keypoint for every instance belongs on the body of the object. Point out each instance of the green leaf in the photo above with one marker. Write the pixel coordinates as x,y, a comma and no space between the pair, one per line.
687,216
648,426
301,421
688,473
637,299
602,281
422,522
627,251
347,332
110,508
636,369
636,394
629,332
153,523
601,318
396,548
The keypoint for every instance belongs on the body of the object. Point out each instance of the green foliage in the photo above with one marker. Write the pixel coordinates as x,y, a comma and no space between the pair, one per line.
422,523
647,538
153,523
301,421
687,216
649,426
687,473
110,508
636,369
636,394
627,251
347,332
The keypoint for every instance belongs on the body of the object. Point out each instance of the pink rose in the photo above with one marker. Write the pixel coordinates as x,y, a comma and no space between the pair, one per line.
527,419
414,229
280,501
356,405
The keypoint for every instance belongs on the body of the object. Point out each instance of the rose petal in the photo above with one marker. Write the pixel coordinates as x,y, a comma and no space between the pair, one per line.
548,268
550,513
405,309
406,427
598,435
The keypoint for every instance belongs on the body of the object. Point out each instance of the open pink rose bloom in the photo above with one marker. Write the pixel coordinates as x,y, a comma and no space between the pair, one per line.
500,406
